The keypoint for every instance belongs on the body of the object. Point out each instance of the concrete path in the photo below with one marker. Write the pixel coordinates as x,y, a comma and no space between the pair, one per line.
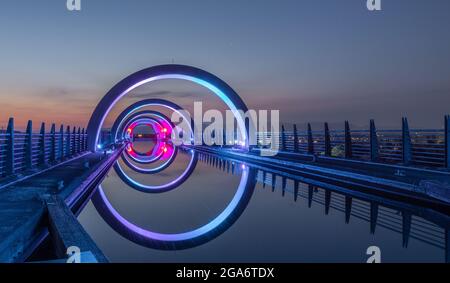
23,210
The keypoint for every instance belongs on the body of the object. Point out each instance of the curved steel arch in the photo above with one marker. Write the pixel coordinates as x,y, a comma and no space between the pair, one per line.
151,171
117,127
225,219
147,157
183,72
137,185
135,119
120,122
156,189
120,125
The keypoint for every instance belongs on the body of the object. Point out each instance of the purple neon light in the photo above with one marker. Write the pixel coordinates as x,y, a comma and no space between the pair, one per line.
191,162
206,84
213,224
155,155
160,187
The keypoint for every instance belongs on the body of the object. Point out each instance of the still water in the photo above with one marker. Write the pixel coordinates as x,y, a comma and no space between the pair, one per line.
270,222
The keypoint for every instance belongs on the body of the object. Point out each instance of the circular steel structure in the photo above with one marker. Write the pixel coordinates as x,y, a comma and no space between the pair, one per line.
163,72
117,127
245,188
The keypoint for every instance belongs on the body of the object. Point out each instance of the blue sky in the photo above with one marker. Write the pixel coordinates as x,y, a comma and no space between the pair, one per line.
315,60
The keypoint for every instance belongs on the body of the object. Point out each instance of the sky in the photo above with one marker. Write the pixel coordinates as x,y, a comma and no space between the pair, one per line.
314,60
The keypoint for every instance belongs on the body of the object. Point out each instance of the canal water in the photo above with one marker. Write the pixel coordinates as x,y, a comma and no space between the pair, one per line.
248,214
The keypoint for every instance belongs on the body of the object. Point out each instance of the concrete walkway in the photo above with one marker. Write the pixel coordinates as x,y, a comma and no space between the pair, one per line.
23,210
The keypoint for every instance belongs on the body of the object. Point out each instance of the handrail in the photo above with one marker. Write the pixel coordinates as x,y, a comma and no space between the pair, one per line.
427,148
28,151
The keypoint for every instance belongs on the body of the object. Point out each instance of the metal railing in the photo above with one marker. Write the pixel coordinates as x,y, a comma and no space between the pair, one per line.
25,151
415,147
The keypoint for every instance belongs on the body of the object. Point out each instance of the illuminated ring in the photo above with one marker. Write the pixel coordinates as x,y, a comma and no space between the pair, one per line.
126,114
139,186
155,170
125,118
161,167
144,158
184,240
158,188
123,122
198,76
203,78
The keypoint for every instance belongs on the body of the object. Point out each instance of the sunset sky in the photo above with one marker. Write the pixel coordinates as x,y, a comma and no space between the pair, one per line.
315,60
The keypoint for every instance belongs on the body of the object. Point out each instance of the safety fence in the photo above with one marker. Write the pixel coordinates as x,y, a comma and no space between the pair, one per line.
26,151
416,147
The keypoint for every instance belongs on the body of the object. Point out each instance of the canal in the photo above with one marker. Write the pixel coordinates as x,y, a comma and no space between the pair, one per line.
226,211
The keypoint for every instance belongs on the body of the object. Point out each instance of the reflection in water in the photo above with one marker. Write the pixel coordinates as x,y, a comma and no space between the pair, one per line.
266,228
182,240
164,153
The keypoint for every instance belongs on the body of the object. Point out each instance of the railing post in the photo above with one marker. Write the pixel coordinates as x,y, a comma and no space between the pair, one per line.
68,141
310,140
447,141
53,144
10,170
348,141
295,138
374,207
73,143
283,138
374,148
86,140
42,145
224,139
75,136
327,201
348,208
83,138
406,227
75,140
406,142
327,140
83,144
78,140
29,146
296,187
61,143
274,139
